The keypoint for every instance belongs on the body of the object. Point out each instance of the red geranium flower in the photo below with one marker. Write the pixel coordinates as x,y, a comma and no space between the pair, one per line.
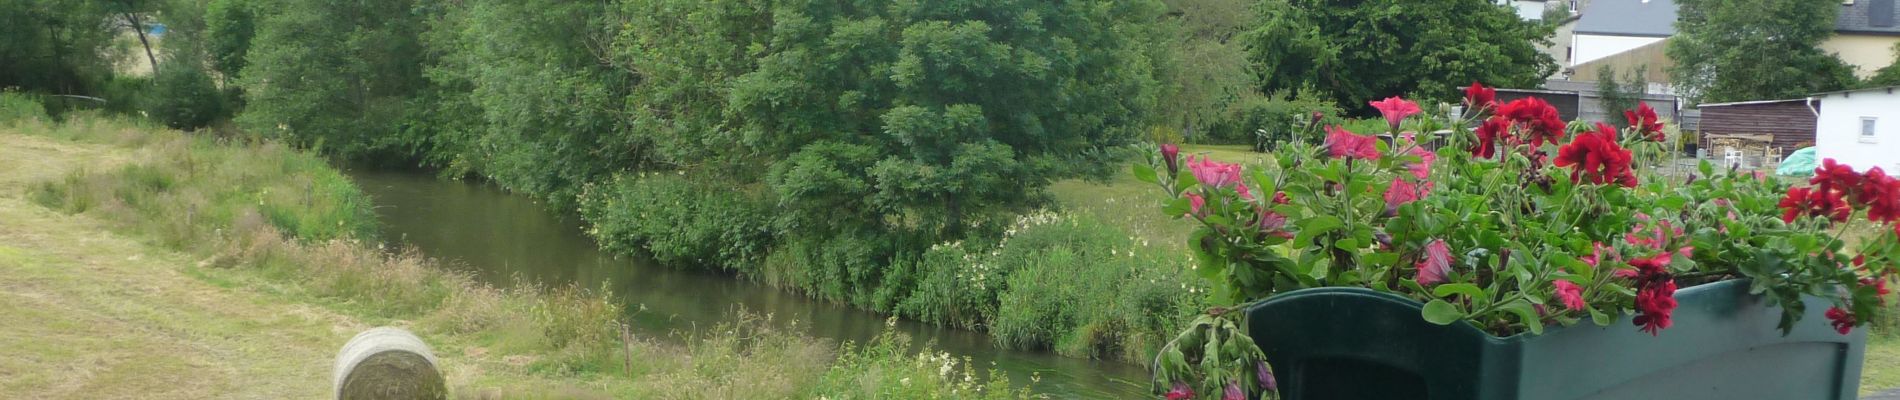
1842,320
1655,302
1808,201
1343,143
1644,119
1880,194
1395,110
1495,128
1479,96
1597,158
1537,117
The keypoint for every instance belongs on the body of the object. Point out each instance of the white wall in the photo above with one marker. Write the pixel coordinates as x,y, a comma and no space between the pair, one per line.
1837,134
1591,47
1529,10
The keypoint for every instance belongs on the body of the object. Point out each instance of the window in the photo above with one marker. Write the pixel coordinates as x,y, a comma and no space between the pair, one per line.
1867,129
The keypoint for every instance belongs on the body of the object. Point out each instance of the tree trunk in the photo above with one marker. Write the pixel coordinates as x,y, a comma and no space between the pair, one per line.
137,28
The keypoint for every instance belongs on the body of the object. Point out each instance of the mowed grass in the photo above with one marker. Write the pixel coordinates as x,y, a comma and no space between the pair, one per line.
142,262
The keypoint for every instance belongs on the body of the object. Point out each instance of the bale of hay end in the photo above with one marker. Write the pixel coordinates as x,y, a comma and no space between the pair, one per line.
387,363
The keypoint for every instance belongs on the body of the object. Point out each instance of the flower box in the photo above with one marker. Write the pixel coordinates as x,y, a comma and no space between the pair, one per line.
1355,343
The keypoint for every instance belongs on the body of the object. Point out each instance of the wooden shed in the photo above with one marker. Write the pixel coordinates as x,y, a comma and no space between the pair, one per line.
1776,127
1564,101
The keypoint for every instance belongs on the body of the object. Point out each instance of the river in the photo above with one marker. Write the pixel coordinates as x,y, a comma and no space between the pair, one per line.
504,238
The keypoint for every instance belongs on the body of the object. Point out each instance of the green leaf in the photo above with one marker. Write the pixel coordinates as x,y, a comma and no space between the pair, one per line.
1527,314
1466,289
1707,169
1599,317
1145,173
1441,313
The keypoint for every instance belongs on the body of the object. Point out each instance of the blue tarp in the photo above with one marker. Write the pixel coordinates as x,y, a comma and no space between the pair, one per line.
1799,163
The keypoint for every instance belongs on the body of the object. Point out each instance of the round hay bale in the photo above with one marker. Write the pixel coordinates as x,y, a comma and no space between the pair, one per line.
387,363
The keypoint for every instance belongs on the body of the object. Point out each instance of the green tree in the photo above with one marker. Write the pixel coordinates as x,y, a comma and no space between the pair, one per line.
1889,75
1618,95
880,126
548,106
1206,72
1720,47
57,46
333,74
1363,50
229,26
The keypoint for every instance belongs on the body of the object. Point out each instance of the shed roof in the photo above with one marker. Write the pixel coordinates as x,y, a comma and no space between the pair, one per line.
1878,17
1647,18
1751,102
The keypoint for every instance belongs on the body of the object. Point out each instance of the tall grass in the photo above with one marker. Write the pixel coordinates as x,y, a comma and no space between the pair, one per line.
280,220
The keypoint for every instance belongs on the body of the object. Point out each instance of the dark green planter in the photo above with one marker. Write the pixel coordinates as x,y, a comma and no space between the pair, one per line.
1352,343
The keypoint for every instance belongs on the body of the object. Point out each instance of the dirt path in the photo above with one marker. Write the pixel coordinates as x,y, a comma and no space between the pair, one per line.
85,313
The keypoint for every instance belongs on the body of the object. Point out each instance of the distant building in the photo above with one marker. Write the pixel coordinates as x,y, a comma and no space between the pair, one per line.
1860,128
1864,35
1609,27
1777,126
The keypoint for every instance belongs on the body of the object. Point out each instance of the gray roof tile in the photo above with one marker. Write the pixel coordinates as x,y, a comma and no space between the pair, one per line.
1879,17
1654,18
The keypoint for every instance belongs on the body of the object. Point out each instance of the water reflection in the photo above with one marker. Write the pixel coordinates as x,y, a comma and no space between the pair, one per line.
499,238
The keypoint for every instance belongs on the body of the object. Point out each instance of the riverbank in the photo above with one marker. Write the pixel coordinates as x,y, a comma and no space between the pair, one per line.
165,266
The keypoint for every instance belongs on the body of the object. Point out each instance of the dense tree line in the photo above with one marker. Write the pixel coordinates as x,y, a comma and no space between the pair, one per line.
830,142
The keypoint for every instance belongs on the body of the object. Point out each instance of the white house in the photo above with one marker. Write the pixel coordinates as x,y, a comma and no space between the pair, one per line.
1609,27
1860,128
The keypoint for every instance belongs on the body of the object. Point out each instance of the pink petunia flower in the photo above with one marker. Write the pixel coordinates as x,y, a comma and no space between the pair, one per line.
1395,110
1342,143
1423,168
1436,265
1195,202
1570,294
1214,173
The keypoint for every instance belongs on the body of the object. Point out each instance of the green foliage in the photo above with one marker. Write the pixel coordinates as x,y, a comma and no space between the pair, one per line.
888,368
1349,50
55,46
229,27
1074,285
16,107
1889,75
332,75
182,97
1720,46
1620,95
1262,121
930,115
680,220
1210,356
1205,71
547,109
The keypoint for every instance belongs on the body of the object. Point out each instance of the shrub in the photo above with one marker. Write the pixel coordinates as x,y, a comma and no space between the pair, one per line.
680,220
184,98
887,368
1263,120
15,106
1084,289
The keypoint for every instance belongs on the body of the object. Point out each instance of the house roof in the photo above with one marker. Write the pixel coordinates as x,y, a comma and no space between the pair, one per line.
1879,17
1751,102
1647,18
1888,89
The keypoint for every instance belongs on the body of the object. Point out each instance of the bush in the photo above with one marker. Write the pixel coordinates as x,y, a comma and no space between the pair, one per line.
15,107
680,220
887,368
1085,289
1262,120
184,98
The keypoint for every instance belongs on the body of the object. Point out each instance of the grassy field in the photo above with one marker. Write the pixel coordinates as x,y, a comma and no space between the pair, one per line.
140,262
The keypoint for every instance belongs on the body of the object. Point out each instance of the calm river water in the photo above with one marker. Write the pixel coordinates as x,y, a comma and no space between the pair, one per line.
498,237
